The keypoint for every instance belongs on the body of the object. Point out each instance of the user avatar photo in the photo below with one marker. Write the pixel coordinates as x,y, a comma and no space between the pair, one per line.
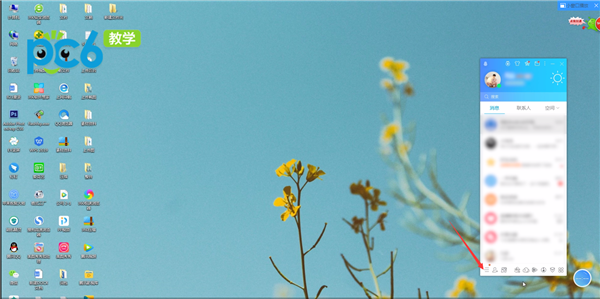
490,124
492,79
490,143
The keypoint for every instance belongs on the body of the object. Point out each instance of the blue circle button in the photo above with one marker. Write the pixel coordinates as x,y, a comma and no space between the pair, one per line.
13,167
582,278
13,194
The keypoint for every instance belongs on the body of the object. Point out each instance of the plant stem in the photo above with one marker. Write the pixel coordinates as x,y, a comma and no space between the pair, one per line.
392,275
368,247
305,289
375,280
286,279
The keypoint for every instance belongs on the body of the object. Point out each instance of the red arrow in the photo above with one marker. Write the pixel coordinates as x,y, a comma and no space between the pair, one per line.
477,260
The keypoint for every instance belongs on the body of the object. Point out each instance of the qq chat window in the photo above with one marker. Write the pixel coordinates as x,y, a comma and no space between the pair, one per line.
523,160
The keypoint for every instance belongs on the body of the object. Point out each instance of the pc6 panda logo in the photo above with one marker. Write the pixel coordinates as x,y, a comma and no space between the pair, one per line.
41,52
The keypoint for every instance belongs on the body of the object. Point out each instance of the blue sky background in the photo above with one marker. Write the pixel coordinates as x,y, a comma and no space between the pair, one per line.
193,124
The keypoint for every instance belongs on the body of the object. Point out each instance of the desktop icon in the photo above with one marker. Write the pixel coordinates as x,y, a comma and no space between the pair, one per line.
38,141
87,87
64,194
63,8
38,34
39,114
62,273
87,247
88,194
13,273
14,247
85,297
87,114
14,8
13,87
88,274
88,141
88,167
13,167
64,88
63,220
38,247
13,194
87,35
38,194
38,87
17,297
62,167
63,141
13,140
14,220
13,34
38,167
38,220
88,8
38,8
63,114
38,273
13,61
112,8
64,34
13,114
88,221
63,247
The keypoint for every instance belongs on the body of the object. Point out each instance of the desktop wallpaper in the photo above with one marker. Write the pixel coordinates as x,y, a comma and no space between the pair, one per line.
196,125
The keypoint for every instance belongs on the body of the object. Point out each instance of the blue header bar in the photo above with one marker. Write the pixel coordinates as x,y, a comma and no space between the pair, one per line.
523,79
578,5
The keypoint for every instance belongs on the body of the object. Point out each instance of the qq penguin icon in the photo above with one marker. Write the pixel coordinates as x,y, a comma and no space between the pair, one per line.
14,247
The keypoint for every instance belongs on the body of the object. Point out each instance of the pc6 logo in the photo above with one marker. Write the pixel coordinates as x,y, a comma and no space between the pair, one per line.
44,53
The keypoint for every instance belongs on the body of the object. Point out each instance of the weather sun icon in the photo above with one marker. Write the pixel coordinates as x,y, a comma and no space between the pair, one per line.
558,78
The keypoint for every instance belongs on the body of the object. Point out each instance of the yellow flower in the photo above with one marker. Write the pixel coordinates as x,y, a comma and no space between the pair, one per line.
583,264
287,201
365,192
553,281
380,220
388,132
376,202
387,84
400,77
386,63
314,173
298,168
404,147
396,68
463,285
285,169
357,223
360,189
